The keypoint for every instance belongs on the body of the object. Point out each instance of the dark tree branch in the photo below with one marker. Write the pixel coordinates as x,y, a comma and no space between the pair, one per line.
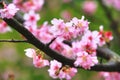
19,18
14,41
108,54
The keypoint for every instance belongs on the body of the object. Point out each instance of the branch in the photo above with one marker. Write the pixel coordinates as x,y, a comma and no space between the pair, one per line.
14,41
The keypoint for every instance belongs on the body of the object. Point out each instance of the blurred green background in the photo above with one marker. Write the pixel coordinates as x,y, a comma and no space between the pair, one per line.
14,63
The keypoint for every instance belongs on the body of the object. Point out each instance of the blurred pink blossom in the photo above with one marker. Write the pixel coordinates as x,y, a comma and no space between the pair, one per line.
114,3
66,15
89,7
8,11
110,75
28,5
4,27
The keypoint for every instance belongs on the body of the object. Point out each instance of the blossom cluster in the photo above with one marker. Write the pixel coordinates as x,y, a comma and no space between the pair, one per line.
8,12
56,69
84,42
62,72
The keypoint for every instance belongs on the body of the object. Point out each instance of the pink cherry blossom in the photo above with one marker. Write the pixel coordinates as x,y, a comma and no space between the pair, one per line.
33,5
8,11
106,36
38,60
30,52
43,34
89,7
57,71
31,19
81,25
54,68
57,45
4,27
67,73
85,60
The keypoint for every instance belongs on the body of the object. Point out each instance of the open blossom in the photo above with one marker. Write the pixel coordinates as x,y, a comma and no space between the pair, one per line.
67,73
85,60
31,19
38,60
57,71
54,68
81,25
30,52
4,27
8,11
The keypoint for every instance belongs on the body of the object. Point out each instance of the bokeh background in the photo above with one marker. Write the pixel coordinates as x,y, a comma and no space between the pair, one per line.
14,65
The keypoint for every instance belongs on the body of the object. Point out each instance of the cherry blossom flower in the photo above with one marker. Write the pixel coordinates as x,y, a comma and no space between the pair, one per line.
4,27
31,19
30,52
106,36
89,7
57,71
33,5
54,68
38,60
57,45
67,73
8,11
85,60
43,34
81,25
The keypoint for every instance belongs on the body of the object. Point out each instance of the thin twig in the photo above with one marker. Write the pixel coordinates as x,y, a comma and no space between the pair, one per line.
14,41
